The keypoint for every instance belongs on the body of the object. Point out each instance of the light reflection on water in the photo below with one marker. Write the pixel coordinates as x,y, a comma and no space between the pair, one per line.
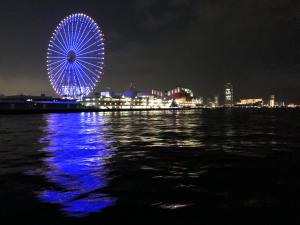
80,147
83,150
157,128
78,153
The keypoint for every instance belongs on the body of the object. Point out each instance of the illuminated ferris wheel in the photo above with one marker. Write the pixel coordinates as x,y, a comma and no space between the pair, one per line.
75,57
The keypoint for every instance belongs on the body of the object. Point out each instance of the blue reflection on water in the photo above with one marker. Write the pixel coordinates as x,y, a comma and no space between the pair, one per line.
78,154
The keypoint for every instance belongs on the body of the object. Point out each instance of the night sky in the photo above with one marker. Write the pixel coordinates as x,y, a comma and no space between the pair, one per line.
255,44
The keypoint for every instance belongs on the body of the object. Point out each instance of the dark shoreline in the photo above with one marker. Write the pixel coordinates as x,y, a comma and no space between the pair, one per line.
80,110
84,110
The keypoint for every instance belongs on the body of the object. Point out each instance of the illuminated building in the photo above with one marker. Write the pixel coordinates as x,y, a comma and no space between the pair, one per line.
131,99
216,101
107,94
145,102
180,92
157,94
292,105
272,101
280,104
254,102
209,103
198,102
228,95
181,96
131,92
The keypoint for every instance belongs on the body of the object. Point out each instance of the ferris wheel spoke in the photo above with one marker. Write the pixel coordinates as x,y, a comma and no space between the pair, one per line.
66,29
63,41
87,42
93,36
91,64
69,36
75,33
83,39
58,52
59,75
83,35
64,34
80,36
74,24
86,85
53,45
77,80
91,78
56,57
90,57
97,64
72,31
89,46
88,52
56,43
60,79
62,46
68,77
95,75
57,66
84,74
84,43
53,62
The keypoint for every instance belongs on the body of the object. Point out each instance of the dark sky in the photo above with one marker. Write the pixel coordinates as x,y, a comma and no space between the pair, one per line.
201,44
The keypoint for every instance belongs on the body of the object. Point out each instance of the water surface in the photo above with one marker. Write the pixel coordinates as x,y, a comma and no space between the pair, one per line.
162,167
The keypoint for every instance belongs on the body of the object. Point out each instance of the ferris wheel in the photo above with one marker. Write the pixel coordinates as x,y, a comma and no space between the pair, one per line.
75,57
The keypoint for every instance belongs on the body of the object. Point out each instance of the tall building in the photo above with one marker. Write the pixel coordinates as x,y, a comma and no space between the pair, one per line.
216,101
228,95
272,101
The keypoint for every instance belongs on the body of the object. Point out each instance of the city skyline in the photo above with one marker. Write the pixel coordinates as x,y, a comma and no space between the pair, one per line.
161,45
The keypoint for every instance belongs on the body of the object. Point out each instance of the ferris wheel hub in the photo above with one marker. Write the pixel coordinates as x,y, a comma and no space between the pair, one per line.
71,57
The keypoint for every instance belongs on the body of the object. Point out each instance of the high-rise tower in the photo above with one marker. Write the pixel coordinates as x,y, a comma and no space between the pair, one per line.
216,101
272,101
228,95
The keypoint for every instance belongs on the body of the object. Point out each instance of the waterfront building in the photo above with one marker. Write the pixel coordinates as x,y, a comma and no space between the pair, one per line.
107,94
131,92
280,104
272,101
144,94
132,99
251,102
228,95
142,102
180,92
157,93
210,103
198,102
292,105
